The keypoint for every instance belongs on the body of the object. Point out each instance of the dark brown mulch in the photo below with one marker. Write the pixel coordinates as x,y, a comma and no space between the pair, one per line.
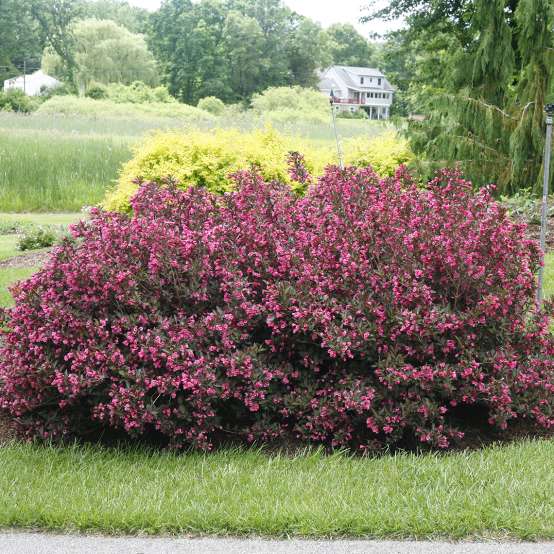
478,438
6,433
534,232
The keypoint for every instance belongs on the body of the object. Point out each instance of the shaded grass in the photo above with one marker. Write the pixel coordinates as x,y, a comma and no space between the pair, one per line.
504,491
10,275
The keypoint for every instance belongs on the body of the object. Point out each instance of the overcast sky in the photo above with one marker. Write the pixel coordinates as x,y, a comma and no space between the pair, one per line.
324,11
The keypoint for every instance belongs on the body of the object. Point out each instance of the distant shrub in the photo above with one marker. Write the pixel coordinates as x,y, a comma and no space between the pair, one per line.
358,114
212,105
86,107
289,104
61,90
383,153
288,116
97,91
207,159
294,98
37,237
367,313
15,100
139,93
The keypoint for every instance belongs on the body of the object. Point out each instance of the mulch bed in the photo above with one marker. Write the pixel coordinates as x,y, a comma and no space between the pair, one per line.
534,231
5,433
32,259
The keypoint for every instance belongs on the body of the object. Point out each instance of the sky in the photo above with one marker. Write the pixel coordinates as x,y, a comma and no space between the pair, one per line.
325,12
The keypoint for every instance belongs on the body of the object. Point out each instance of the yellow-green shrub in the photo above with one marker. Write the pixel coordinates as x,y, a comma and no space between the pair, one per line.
383,153
207,159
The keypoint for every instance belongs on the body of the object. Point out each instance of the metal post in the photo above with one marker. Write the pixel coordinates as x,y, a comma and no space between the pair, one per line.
334,116
549,108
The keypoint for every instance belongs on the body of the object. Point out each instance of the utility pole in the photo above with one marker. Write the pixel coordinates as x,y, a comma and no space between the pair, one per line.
334,116
549,109
24,77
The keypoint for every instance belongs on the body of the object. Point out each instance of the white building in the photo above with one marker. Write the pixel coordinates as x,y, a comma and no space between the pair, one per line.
32,84
355,88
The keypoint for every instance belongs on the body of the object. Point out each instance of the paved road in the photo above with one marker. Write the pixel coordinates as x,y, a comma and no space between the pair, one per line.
40,543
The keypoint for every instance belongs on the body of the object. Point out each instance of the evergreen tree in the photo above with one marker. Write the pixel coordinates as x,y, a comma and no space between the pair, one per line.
493,61
491,118
534,20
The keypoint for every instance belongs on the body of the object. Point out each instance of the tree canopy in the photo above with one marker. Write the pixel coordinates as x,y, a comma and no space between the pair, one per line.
229,49
104,52
232,49
348,47
481,72
20,39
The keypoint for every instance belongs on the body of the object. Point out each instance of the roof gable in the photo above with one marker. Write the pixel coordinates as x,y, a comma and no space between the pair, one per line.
361,71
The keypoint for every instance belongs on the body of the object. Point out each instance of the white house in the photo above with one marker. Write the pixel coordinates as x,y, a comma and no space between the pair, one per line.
32,84
355,88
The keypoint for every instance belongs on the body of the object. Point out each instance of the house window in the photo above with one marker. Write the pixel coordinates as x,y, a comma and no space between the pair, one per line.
361,80
379,82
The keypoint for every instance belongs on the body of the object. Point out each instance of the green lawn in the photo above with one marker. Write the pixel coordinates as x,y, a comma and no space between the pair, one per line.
9,276
500,491
549,275
8,246
41,219
8,242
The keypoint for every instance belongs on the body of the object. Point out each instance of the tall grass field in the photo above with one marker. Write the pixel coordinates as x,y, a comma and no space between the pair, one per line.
55,162
49,171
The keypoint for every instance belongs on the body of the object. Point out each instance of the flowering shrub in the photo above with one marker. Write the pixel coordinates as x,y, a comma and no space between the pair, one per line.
364,313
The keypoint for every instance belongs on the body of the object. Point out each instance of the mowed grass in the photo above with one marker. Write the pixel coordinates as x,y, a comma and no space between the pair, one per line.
9,276
549,275
41,218
8,246
500,491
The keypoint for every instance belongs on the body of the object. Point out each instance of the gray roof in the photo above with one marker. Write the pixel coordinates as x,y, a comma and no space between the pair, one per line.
365,71
350,76
327,83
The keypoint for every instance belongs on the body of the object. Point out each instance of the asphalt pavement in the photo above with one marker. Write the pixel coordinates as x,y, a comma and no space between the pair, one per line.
46,543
